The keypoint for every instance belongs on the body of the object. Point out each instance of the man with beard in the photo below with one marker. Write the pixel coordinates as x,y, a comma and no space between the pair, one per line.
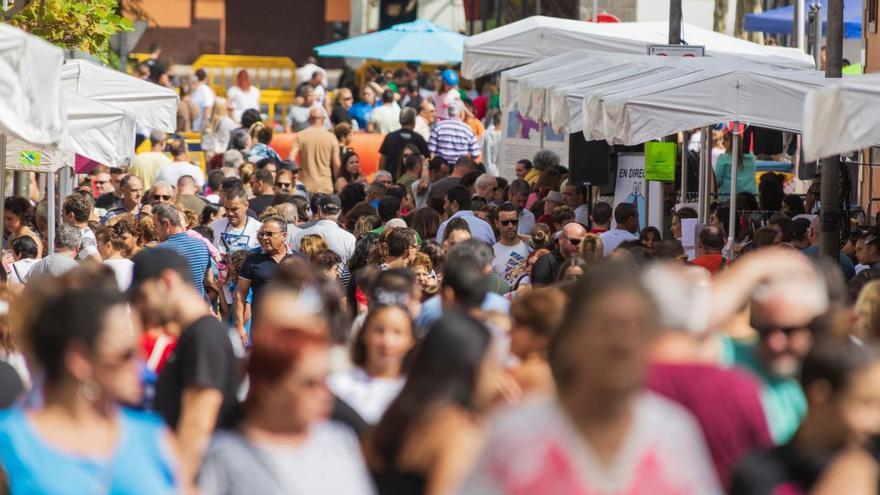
784,313
196,389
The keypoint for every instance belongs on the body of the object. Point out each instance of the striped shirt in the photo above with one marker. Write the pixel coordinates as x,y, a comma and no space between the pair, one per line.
452,139
196,254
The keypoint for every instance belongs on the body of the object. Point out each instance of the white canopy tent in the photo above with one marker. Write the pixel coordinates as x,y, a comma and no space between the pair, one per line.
154,106
538,37
642,98
842,117
30,89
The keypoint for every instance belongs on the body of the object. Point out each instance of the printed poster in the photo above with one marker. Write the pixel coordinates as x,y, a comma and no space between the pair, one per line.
522,137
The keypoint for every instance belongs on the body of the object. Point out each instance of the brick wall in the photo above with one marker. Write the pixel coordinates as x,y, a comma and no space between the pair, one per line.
289,28
183,45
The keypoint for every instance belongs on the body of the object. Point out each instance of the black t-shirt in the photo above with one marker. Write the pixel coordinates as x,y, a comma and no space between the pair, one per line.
259,268
765,472
546,268
392,147
260,203
203,358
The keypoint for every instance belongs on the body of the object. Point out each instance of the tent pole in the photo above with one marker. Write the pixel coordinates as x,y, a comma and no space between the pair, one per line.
703,183
50,213
685,138
735,159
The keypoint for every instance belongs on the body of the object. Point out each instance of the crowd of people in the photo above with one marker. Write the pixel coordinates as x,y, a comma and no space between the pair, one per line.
291,325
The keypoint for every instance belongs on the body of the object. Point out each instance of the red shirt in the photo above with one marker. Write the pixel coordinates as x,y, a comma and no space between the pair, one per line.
725,402
713,262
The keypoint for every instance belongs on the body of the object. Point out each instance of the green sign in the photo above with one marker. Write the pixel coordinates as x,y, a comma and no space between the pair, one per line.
660,161
30,159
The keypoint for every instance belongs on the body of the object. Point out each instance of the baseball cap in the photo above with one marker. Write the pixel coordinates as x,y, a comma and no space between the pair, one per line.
329,205
150,263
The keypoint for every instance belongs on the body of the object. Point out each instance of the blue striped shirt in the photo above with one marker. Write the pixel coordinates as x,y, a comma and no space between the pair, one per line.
452,139
196,254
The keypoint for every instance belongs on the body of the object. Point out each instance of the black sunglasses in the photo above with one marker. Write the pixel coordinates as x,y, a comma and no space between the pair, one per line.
161,197
508,222
573,242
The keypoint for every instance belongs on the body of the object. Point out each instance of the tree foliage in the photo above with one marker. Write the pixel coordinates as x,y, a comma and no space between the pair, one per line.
79,24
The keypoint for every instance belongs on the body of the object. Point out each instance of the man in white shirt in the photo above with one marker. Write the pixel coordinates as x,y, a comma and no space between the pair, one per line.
575,197
76,210
338,239
24,252
236,230
203,96
627,217
386,118
511,253
181,166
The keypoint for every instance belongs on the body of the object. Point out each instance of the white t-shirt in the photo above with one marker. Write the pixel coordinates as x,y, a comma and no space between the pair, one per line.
203,97
613,238
18,271
338,239
228,239
172,172
510,261
239,100
535,449
386,118
122,268
370,397
89,244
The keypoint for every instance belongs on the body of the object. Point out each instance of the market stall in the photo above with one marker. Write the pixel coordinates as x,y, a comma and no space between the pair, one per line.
842,117
538,37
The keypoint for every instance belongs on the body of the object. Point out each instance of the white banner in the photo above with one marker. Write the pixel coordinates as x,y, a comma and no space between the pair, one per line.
630,185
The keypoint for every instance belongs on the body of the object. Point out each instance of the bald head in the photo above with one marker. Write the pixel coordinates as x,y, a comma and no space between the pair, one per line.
572,235
316,115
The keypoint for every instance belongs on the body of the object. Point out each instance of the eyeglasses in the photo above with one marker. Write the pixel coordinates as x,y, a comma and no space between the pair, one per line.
161,197
283,185
266,235
508,222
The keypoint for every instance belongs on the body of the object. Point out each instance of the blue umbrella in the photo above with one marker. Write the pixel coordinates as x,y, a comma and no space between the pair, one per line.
781,20
417,41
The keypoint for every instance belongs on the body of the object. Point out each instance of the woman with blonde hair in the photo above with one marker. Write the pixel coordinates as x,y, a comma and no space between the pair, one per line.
312,244
867,324
592,248
215,138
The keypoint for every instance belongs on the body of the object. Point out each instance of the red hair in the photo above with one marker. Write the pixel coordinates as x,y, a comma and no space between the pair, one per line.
275,351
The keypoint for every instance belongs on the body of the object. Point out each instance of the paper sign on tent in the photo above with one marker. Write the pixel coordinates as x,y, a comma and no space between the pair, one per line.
660,161
30,159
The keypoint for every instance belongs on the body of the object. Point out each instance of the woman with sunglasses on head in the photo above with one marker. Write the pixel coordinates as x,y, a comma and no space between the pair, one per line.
78,339
380,355
285,443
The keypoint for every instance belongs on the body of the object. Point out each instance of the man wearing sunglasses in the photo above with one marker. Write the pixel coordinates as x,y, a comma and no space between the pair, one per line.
546,269
511,253
787,314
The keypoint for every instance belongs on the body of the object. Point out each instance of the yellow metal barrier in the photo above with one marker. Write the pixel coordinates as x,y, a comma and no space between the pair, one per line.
274,76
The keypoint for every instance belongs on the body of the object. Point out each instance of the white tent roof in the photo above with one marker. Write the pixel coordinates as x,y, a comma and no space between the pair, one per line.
98,131
633,99
30,90
154,106
536,38
842,117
